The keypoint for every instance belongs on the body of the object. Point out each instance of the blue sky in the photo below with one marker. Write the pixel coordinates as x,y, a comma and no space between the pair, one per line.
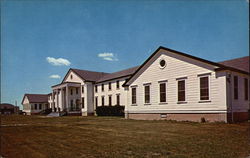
109,36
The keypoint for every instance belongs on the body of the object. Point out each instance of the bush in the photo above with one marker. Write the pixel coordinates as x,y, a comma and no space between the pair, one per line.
110,110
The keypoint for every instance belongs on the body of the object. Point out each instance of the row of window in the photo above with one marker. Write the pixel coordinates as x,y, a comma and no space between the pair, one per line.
109,86
109,100
37,106
181,90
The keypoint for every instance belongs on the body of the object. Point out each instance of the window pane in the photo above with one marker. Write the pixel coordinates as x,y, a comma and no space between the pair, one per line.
246,88
181,90
133,95
163,92
235,87
147,94
204,88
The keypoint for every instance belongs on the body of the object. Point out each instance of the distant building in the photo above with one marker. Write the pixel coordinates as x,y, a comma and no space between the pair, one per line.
35,103
169,85
7,109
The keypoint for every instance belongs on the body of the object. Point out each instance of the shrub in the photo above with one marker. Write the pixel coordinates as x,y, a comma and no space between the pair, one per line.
116,110
203,120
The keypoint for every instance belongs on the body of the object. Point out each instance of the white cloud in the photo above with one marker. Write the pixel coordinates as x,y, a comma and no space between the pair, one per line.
108,56
58,61
55,76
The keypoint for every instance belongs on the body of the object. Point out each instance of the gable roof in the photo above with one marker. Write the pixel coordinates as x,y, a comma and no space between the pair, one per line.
36,98
238,63
86,75
226,65
119,74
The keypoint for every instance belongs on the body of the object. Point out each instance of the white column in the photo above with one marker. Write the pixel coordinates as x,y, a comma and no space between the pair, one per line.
67,99
62,99
53,101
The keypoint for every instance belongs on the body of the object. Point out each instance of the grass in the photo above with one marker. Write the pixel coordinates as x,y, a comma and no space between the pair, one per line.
40,137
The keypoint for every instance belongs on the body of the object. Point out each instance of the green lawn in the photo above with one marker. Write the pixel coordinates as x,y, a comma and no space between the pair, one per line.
34,136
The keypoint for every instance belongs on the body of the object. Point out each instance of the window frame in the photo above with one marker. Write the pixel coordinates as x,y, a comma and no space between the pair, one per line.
159,91
110,100
134,103
103,100
236,88
185,91
117,84
246,89
40,106
209,84
118,102
110,86
149,94
102,86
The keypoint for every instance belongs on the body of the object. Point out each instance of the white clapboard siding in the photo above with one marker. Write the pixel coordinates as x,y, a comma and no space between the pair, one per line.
178,67
113,92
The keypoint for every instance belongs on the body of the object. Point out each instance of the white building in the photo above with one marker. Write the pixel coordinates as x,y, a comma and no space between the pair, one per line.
168,85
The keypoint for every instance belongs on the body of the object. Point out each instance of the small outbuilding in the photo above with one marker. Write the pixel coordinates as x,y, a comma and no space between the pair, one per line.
35,103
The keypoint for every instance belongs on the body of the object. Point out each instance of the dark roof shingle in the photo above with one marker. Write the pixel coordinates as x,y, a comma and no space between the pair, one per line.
37,98
123,73
89,75
238,63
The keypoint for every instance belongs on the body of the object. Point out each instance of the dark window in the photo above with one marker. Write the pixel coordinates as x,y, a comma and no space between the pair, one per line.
96,88
117,99
246,88
147,94
162,63
76,90
103,101
71,105
236,87
35,106
83,102
96,101
71,77
117,84
71,91
163,92
133,95
82,89
181,90
110,100
102,87
109,85
204,88
40,106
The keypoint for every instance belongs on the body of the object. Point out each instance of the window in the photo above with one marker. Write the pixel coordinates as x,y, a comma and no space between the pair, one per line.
82,89
181,90
71,105
103,101
147,94
35,106
71,92
83,102
236,87
96,90
40,106
133,95
118,99
110,100
71,76
162,63
117,84
96,101
204,88
109,85
163,98
246,88
76,90
102,87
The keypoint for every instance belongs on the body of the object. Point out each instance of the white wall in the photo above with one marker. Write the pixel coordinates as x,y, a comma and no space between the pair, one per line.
113,92
178,67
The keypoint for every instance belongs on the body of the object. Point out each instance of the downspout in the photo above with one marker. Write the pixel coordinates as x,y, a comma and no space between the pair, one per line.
229,79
